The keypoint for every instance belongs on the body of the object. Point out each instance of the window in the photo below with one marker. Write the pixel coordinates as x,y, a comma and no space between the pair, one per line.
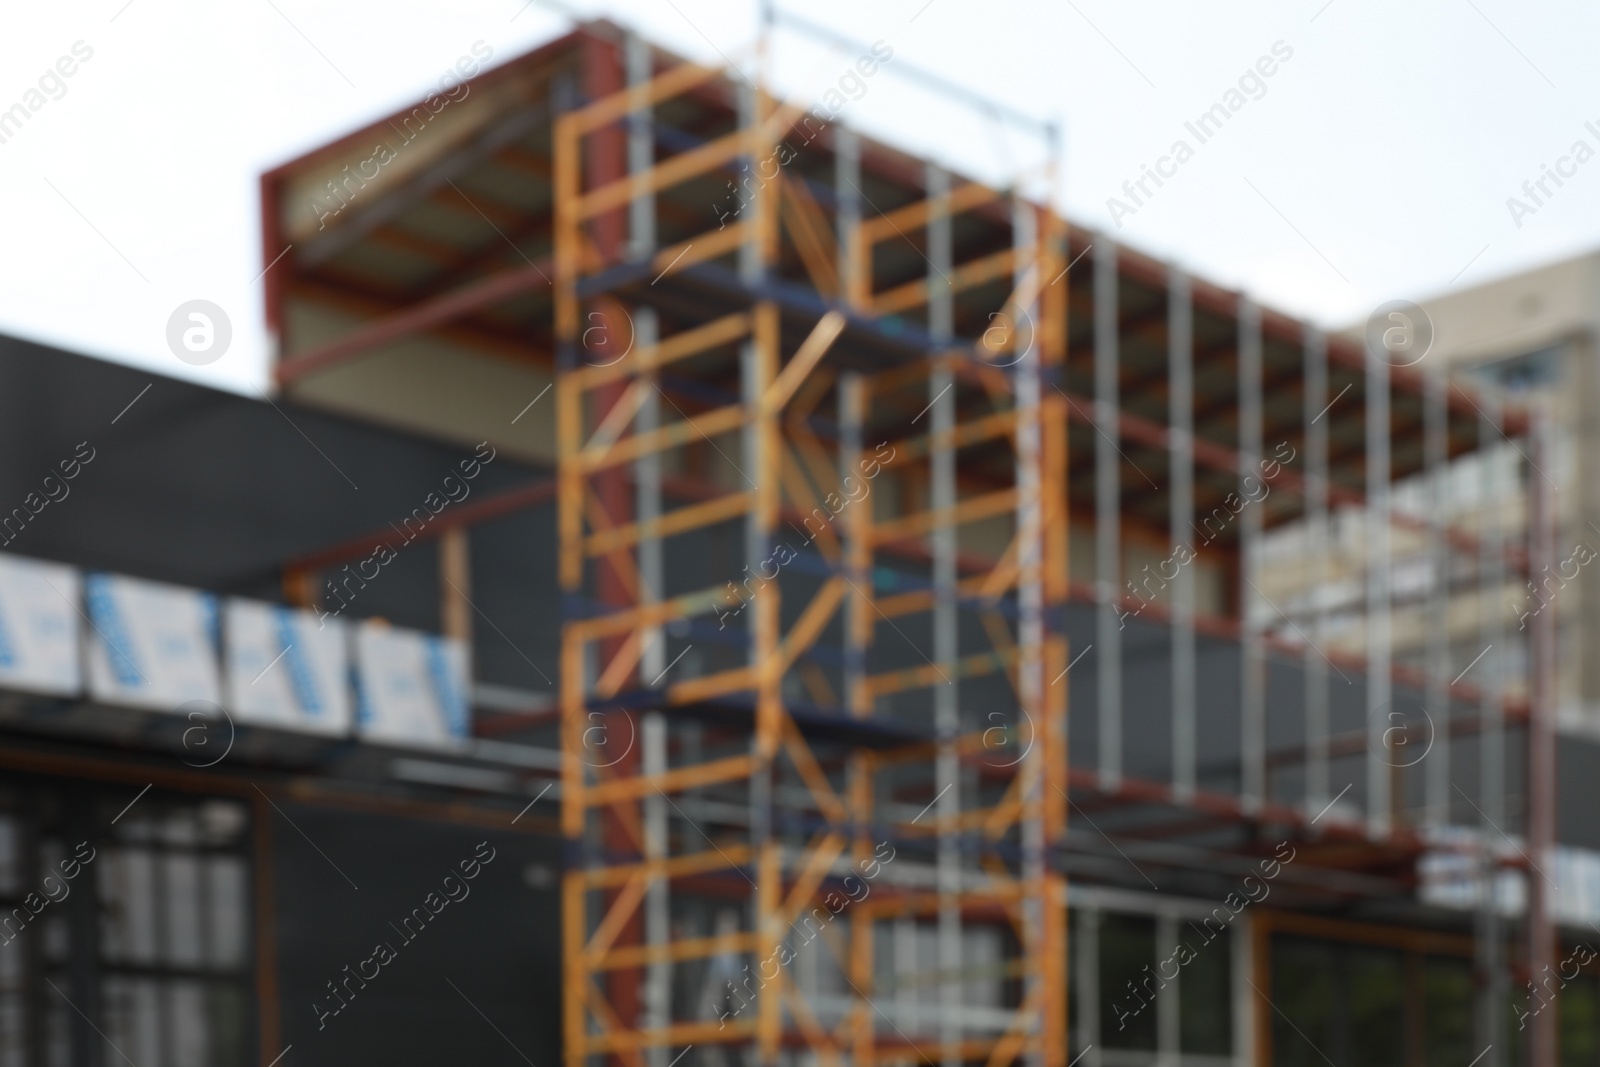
1150,988
126,920
1530,370
1447,1011
1128,986
1303,991
1205,993
1345,1004
1376,991
1578,1021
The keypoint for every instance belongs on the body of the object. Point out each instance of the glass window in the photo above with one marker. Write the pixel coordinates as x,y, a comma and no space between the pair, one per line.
1074,994
1375,983
1345,1004
1303,993
1578,1021
1447,1011
229,920
1205,993
1128,982
184,917
128,905
155,896
1520,373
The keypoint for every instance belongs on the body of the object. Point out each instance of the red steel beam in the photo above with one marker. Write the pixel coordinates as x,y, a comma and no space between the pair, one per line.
493,507
1275,325
428,315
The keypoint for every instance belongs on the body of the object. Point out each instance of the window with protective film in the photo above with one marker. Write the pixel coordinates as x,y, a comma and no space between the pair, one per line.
125,927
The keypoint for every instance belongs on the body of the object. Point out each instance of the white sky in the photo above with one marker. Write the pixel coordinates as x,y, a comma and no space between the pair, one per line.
1377,164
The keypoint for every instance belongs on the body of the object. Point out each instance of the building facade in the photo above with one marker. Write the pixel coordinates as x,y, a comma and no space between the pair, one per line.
888,624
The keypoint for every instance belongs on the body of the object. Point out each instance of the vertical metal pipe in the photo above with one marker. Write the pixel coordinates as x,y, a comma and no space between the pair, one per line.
1541,739
752,264
1491,748
761,458
858,625
641,149
647,502
1436,447
1027,383
808,976
1251,972
1169,1017
1379,688
857,556
1316,668
1107,514
657,907
906,987
852,415
653,724
1252,656
858,622
846,182
647,505
946,644
567,173
751,272
1180,420
941,303
642,244
1087,980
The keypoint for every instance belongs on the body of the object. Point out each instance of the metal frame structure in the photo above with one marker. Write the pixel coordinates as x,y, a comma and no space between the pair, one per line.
846,761
734,383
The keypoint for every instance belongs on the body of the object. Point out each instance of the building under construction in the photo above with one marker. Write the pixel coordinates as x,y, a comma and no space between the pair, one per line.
966,640
944,584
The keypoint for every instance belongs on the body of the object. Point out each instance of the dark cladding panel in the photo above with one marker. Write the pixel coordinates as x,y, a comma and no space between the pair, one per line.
195,485
516,629
496,950
1577,769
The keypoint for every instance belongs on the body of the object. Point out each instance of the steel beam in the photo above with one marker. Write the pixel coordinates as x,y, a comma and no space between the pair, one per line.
946,622
1316,493
1180,420
1108,512
1253,683
1491,965
1436,445
1379,687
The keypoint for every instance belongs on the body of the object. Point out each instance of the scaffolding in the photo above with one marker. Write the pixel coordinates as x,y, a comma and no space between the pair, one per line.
812,666
816,402
824,742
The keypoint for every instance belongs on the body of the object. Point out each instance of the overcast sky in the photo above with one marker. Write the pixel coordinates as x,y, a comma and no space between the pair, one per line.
1374,162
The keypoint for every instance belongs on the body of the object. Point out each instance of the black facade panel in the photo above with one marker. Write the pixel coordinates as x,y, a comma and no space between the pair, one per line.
482,974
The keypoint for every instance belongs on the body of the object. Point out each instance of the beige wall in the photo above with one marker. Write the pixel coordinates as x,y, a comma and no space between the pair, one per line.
1551,307
1522,313
431,386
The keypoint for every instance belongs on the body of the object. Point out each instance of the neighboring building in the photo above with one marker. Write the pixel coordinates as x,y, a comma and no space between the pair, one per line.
1533,335
179,887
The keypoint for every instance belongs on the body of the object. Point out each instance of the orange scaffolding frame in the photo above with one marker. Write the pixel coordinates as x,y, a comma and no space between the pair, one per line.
995,852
